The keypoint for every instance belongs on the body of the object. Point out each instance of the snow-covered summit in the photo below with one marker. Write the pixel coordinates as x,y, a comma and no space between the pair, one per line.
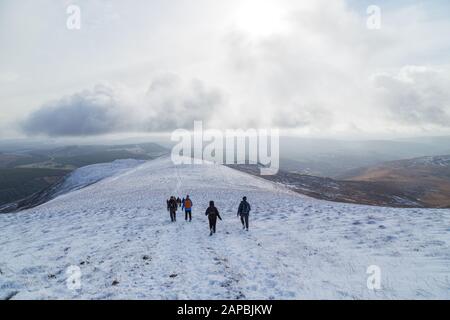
117,231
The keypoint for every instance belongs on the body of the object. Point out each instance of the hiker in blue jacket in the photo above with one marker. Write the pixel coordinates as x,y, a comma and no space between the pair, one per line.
244,212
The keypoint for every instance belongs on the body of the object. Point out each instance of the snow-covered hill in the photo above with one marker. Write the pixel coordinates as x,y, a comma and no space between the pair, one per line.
117,231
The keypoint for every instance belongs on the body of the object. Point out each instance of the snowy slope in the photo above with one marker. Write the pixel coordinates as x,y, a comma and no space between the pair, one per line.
88,175
118,231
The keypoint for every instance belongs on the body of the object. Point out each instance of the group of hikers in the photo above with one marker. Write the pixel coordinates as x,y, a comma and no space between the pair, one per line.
173,204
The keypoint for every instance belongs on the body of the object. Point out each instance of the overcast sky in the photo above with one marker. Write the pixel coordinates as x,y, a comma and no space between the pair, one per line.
309,67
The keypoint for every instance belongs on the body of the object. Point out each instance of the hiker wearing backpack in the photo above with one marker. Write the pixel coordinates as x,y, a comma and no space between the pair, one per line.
212,214
172,206
187,206
244,212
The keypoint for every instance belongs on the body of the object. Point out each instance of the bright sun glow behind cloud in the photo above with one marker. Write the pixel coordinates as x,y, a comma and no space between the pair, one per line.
302,65
260,18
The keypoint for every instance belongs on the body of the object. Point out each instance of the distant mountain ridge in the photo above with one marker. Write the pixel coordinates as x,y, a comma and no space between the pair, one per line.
76,180
420,182
428,178
27,176
332,158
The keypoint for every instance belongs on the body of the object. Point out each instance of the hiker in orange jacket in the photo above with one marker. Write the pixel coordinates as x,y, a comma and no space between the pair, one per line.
187,206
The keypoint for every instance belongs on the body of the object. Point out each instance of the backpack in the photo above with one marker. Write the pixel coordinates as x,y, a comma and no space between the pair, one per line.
173,204
187,203
245,208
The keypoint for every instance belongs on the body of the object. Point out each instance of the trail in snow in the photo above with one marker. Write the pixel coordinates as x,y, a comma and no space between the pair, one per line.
118,231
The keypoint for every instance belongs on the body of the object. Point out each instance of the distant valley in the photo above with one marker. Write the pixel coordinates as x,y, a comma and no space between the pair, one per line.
25,172
420,182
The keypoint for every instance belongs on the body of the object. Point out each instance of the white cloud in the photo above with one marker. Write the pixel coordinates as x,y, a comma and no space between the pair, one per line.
307,65
319,75
416,96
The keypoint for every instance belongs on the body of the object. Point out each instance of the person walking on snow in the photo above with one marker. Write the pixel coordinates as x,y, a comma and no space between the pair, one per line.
244,212
172,206
212,214
179,202
187,206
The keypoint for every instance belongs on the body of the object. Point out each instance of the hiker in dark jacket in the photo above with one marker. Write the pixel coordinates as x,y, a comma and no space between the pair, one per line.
179,202
244,212
172,207
212,214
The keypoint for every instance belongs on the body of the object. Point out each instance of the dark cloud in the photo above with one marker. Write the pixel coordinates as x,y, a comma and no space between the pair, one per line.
168,104
89,112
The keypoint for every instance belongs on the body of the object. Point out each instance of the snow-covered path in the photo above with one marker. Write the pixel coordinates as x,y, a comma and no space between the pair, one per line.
118,232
